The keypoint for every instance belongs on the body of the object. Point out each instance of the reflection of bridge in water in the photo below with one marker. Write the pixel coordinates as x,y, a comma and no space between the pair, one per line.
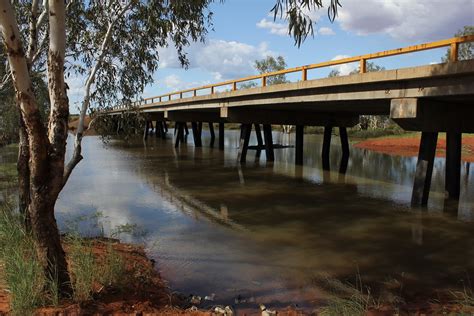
430,99
312,216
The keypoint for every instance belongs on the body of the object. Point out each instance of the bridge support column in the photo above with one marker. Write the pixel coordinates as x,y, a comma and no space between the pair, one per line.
453,164
326,147
186,128
244,142
221,136
267,134
179,134
345,149
158,129
213,135
196,134
145,132
299,145
424,169
163,129
260,144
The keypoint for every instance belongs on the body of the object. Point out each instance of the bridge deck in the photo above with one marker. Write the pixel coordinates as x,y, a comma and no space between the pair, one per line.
306,102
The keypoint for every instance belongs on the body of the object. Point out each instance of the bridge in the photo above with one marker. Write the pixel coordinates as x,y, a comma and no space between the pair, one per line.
430,99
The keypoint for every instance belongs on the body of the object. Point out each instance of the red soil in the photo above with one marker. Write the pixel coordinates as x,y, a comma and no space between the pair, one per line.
145,293
408,146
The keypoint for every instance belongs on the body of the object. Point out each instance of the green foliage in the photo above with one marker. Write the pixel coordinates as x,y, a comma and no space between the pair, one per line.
9,114
268,64
334,73
271,64
131,55
391,129
125,125
465,50
370,67
300,24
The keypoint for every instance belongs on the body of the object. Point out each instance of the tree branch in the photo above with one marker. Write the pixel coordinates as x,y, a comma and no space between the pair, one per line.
77,156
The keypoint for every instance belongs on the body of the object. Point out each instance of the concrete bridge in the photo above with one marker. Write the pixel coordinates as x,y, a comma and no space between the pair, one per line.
430,99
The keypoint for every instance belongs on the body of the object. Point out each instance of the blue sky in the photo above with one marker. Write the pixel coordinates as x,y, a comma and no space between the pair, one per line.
244,31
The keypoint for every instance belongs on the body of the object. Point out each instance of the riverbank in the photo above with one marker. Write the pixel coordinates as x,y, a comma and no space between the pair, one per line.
141,289
407,145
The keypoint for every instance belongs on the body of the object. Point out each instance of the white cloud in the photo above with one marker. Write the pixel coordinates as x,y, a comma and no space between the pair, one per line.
344,69
406,19
281,28
326,31
315,14
274,27
224,59
173,82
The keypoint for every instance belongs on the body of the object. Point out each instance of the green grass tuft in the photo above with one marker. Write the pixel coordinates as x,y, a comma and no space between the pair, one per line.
22,272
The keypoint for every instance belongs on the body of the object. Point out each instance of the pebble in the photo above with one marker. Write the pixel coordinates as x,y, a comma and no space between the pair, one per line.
266,312
226,311
195,300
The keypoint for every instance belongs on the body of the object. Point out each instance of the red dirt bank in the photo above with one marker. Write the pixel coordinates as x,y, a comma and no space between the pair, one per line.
145,294
408,146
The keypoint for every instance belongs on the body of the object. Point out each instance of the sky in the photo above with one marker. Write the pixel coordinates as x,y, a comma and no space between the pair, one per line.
245,31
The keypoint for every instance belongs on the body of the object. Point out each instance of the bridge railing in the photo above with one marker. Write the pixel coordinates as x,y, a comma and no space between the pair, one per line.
453,43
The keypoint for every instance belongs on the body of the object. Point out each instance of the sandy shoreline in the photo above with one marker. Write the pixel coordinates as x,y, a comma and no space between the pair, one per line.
408,145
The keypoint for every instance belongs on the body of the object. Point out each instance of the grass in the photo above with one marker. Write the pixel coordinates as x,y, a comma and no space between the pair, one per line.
22,272
25,280
82,268
88,271
348,299
8,175
465,298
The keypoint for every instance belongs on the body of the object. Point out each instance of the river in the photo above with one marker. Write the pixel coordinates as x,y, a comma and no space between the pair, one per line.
276,233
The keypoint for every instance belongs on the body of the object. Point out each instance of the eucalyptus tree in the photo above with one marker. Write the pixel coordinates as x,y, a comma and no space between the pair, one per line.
465,50
112,44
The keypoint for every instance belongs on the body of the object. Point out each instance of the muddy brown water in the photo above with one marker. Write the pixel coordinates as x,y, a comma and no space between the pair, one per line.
275,233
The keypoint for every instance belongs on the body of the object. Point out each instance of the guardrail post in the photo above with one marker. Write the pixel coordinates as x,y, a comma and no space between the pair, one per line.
194,92
453,56
169,97
180,95
212,90
234,86
363,66
264,81
304,74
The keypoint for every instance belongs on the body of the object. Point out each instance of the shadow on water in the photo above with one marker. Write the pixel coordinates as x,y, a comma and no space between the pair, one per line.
272,230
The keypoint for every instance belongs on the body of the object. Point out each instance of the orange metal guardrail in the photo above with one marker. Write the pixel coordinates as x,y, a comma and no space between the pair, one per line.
453,43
